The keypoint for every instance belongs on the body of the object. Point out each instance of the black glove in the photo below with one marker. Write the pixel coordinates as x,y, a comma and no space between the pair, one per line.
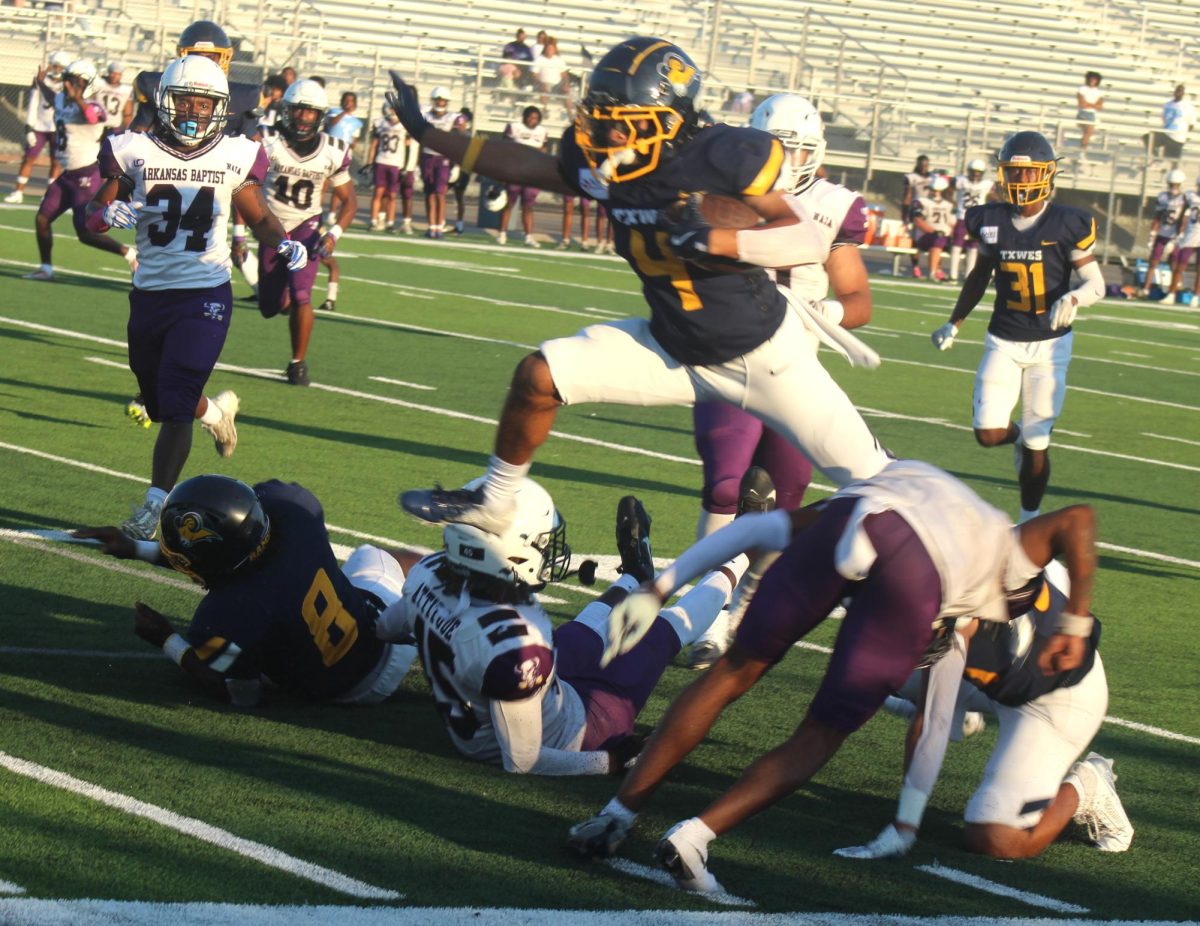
622,755
408,106
687,229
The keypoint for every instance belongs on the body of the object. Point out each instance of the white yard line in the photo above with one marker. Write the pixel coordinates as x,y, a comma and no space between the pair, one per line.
7,887
198,829
1181,440
1156,731
1001,890
1126,353
658,876
400,382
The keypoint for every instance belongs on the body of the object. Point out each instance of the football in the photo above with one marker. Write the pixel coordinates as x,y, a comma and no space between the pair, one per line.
716,210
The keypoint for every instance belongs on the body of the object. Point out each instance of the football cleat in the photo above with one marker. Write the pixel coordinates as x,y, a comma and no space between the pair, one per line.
136,412
917,274
143,523
685,863
531,242
224,432
756,494
1100,808
42,275
16,197
703,653
327,306
297,373
564,245
633,539
457,506
502,238
1168,299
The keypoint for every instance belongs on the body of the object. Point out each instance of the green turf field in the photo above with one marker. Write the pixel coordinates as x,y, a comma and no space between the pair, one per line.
408,378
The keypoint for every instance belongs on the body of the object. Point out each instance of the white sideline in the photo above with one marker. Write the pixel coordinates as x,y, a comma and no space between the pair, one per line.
658,876
198,829
7,887
1001,890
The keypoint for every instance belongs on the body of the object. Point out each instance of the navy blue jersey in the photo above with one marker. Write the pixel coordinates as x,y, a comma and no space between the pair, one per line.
1033,267
244,109
700,316
991,666
293,616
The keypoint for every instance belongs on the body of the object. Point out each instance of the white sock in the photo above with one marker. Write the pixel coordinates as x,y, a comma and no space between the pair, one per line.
155,496
331,292
955,259
212,414
503,479
47,268
1028,515
710,522
21,181
620,811
696,614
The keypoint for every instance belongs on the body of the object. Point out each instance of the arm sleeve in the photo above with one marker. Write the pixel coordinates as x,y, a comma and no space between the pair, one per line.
764,532
940,698
787,245
1091,286
519,731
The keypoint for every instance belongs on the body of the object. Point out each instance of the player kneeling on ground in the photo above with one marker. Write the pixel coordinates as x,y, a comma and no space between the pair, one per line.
510,687
1046,721
278,607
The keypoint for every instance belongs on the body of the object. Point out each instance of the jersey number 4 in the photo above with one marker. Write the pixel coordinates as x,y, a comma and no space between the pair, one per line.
666,266
197,220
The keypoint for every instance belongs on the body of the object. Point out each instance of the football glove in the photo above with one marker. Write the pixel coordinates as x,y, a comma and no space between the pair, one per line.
599,837
119,214
687,229
326,246
943,337
891,843
404,100
1062,313
295,253
629,621
238,250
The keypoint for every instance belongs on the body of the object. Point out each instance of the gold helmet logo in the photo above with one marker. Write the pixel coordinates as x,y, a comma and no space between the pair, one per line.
678,73
191,530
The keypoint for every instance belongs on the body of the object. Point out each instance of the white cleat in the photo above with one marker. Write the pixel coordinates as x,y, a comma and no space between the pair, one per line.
224,432
42,275
687,865
1100,808
16,197
143,523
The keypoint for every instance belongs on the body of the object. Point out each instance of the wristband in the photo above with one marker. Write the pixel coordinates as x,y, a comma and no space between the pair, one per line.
912,806
174,648
239,230
334,231
1073,625
474,148
147,551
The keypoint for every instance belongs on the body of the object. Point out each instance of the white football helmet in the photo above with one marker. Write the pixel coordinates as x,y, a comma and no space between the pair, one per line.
59,61
796,123
84,69
531,552
440,98
1176,177
303,94
940,183
192,75
977,164
115,67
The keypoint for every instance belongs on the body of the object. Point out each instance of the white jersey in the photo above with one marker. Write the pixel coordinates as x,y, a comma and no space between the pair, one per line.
294,181
39,115
968,540
968,193
1189,229
828,209
183,225
524,135
76,140
391,144
919,184
113,99
937,212
475,651
1168,211
444,122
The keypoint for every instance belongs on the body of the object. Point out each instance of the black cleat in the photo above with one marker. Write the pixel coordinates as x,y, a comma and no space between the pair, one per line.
756,493
327,306
297,373
457,506
633,539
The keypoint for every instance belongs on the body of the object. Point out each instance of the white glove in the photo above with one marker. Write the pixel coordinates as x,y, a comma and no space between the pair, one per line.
294,253
599,837
118,214
1062,313
891,843
629,621
943,338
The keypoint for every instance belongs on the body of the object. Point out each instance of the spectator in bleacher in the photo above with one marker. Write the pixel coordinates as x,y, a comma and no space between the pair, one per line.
531,133
916,185
933,221
435,168
1090,98
1178,117
273,89
39,122
517,58
550,70
460,179
116,98
539,44
289,76
1169,209
742,102
341,121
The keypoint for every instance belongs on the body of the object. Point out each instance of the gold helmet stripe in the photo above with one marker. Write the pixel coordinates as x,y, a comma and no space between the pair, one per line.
762,184
648,50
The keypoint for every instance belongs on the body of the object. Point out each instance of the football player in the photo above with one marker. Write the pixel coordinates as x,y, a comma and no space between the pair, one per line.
459,179
1046,721
278,607
388,156
79,125
914,549
732,442
510,687
302,158
207,39
719,327
531,133
1186,247
1031,244
435,166
39,122
116,97
176,185
933,221
1169,210
916,185
970,189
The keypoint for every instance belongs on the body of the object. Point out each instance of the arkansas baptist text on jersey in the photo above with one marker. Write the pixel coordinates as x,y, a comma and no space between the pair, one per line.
1033,267
699,316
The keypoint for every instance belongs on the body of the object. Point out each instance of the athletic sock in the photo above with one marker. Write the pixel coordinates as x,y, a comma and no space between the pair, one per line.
156,496
212,414
503,479
331,293
1028,515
